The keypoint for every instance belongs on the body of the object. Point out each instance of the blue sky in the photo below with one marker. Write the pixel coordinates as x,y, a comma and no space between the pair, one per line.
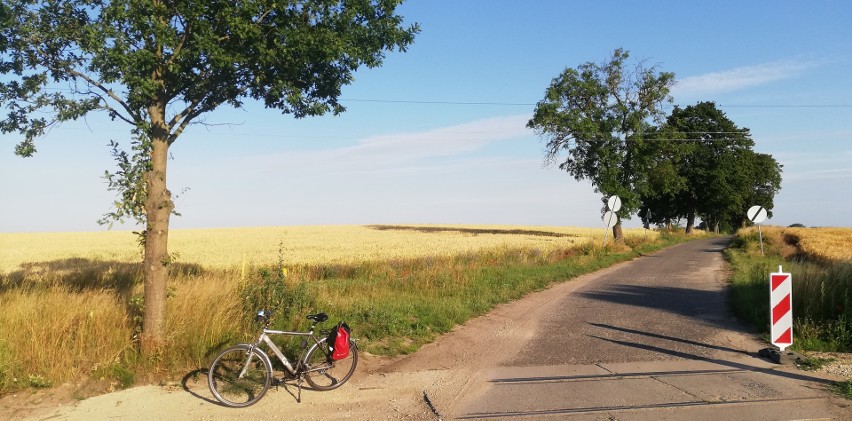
437,134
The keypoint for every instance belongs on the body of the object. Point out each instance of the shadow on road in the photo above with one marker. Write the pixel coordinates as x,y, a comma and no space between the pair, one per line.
709,306
732,364
672,338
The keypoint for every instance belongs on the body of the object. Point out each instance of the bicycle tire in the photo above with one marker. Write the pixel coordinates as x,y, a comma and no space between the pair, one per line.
322,373
225,383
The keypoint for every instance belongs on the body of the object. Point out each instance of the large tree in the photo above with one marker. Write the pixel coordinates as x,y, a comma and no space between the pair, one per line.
714,173
598,115
159,65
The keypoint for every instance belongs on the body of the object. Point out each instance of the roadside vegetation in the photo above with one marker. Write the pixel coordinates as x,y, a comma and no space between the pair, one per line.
77,317
821,265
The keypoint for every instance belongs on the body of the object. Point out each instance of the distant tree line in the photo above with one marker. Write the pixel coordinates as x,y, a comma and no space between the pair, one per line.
606,124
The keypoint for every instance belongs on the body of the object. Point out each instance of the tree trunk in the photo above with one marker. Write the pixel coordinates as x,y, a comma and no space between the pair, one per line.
617,233
158,207
690,221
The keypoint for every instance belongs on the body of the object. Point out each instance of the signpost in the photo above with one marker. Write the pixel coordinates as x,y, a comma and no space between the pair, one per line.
610,219
757,214
781,305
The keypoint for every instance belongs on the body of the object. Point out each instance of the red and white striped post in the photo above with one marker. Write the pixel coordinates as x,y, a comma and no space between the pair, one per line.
781,306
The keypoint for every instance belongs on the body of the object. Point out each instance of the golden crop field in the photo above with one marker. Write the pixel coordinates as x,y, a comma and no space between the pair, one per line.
821,244
830,244
235,247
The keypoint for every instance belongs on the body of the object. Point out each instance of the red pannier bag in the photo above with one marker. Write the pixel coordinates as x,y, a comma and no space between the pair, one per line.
338,341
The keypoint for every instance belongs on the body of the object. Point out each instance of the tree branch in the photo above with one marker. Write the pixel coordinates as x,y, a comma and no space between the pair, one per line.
179,47
136,117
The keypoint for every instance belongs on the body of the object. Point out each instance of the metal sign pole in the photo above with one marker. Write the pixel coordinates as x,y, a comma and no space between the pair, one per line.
757,214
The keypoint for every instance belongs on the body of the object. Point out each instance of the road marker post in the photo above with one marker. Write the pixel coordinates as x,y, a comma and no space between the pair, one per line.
781,308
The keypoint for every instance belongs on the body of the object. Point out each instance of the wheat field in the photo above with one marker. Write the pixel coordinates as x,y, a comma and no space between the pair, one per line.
827,244
296,245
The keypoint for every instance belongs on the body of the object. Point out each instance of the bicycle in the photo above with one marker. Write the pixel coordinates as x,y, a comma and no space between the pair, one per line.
242,374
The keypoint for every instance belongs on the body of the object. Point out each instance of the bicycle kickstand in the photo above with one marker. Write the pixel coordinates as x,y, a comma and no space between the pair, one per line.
299,387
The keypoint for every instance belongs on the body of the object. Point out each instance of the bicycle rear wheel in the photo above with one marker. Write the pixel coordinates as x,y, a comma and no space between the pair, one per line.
239,391
322,373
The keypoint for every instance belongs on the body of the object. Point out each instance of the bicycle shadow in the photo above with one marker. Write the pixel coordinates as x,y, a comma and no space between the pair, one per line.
289,385
194,375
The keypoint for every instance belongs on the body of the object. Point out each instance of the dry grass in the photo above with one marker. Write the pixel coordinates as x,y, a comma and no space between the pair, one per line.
54,336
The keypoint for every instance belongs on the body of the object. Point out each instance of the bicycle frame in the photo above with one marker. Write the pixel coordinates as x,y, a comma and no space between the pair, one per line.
264,337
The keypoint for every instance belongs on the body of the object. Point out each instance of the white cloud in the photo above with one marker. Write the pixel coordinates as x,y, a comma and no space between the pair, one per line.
444,141
741,78
402,150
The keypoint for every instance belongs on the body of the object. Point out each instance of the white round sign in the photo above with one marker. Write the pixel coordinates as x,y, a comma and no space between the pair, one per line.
756,214
610,219
614,203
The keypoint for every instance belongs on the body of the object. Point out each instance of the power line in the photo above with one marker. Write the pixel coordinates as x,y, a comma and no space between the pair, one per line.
405,101
411,101
528,104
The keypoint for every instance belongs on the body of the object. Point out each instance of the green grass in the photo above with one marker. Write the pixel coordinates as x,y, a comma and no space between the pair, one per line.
843,388
812,363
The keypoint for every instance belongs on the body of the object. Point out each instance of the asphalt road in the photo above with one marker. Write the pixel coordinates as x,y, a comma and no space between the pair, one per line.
652,339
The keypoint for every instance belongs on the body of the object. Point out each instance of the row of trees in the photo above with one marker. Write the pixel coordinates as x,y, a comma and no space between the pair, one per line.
606,124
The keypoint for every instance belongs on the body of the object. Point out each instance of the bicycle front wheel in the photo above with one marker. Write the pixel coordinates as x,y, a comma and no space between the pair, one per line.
323,373
240,376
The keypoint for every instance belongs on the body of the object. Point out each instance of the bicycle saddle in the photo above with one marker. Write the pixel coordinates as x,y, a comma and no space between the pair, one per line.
319,317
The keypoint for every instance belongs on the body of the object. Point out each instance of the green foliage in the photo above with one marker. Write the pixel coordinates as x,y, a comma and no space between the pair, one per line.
124,376
136,311
843,388
705,166
37,381
129,183
135,59
270,290
7,366
598,115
